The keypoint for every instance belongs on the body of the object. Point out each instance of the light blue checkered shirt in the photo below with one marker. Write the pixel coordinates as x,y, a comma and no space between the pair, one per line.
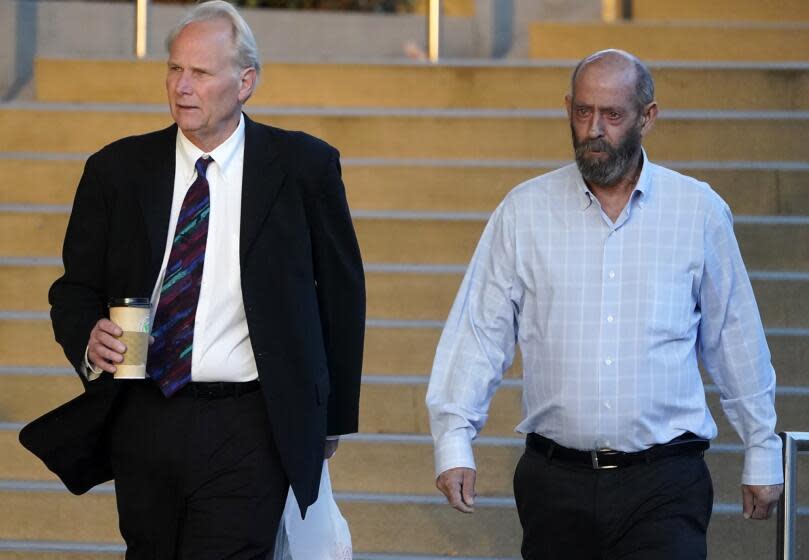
610,319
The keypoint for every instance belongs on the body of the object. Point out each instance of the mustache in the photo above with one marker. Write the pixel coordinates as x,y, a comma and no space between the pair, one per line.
595,145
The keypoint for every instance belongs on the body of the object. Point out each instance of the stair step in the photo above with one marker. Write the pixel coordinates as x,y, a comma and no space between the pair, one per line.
775,136
388,350
527,86
39,181
410,295
783,303
422,526
56,555
37,234
422,186
401,238
18,463
413,463
25,288
379,414
26,397
49,550
672,41
384,408
58,515
363,465
786,11
471,187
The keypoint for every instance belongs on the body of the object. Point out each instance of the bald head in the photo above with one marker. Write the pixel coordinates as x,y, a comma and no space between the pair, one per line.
611,108
617,63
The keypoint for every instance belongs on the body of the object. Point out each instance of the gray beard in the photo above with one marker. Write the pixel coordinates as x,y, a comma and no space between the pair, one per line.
609,171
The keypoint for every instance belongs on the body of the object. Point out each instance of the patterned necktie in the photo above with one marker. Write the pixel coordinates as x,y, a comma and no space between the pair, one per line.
169,362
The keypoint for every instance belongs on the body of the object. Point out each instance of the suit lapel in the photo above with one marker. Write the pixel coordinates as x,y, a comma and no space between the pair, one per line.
262,178
156,195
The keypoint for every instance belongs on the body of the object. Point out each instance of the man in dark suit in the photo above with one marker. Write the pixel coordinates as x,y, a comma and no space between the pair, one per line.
241,237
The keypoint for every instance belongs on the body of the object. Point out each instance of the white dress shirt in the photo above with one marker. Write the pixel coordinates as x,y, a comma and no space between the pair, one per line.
610,319
222,350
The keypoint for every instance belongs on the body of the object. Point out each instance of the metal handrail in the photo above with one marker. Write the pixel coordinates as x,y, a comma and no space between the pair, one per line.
613,11
141,27
794,442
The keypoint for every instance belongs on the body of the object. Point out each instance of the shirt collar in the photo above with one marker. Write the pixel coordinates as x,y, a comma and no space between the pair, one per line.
223,154
644,184
641,190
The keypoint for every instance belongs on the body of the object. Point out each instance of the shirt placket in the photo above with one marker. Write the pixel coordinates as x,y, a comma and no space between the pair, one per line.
608,348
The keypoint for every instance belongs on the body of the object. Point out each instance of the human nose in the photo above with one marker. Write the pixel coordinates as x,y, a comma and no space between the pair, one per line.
595,127
183,84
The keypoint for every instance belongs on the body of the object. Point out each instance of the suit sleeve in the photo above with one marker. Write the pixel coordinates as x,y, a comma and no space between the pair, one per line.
340,284
78,297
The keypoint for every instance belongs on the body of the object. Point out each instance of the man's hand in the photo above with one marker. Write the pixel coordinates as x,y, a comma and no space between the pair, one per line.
330,447
104,350
759,501
458,485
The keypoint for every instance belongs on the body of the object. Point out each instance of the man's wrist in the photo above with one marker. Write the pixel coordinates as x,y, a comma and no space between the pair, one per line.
454,451
763,464
90,371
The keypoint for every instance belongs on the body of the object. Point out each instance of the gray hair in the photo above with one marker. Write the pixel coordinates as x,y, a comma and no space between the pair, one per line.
243,40
644,83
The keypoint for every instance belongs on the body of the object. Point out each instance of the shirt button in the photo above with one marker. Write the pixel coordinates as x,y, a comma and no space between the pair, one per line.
607,405
608,361
610,319
612,274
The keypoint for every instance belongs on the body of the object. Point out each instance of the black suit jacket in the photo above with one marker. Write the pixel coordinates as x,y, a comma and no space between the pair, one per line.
301,276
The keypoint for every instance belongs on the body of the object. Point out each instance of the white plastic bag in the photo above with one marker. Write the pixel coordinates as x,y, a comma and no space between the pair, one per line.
323,535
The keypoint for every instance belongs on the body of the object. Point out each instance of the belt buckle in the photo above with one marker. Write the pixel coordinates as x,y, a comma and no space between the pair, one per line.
594,459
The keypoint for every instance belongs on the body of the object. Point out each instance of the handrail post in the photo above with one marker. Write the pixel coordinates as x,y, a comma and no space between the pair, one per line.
141,27
433,29
794,442
613,11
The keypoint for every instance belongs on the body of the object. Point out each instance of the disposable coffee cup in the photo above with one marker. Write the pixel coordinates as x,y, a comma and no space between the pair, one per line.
133,315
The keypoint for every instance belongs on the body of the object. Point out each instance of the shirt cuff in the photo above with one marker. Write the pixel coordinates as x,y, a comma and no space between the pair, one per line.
763,465
88,370
332,438
454,450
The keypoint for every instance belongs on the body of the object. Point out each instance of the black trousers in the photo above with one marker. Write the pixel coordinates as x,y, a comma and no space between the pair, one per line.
196,478
654,511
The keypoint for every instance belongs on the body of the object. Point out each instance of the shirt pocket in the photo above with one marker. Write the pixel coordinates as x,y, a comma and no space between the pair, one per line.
671,305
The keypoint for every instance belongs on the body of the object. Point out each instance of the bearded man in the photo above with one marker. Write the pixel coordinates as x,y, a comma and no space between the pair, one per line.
614,275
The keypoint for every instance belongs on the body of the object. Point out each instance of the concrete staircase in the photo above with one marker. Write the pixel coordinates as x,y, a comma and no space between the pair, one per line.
773,11
719,30
427,153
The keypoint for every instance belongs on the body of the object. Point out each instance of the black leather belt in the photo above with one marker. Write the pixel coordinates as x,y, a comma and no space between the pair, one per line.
686,444
217,389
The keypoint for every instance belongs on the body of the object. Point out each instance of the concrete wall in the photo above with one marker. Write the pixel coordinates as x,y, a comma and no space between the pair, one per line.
281,34
18,43
80,29
8,50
